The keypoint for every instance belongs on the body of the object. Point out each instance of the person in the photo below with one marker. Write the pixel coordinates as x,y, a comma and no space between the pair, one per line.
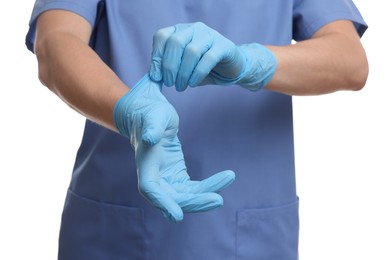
116,62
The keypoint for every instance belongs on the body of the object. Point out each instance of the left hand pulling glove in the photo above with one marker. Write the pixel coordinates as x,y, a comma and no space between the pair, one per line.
146,117
194,54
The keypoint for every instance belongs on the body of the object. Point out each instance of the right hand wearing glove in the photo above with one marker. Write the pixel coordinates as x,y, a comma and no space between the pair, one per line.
195,54
151,122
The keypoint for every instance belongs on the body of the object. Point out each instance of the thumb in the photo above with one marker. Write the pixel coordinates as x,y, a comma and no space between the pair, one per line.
160,119
152,132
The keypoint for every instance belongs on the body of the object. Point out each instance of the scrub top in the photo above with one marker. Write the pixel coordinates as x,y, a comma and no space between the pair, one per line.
221,127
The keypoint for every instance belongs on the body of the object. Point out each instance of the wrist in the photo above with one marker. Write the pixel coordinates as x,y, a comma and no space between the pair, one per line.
261,65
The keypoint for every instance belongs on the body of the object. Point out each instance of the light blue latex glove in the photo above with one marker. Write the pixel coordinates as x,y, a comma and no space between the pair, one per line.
194,54
146,117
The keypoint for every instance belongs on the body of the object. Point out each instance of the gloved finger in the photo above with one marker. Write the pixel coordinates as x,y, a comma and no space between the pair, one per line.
167,205
214,183
149,184
198,202
200,44
209,60
159,42
174,49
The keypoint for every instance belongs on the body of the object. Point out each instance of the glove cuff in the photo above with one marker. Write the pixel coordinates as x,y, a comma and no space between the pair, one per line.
122,113
119,115
261,65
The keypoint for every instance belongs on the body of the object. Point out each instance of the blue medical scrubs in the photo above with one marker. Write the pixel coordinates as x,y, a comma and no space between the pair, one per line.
221,127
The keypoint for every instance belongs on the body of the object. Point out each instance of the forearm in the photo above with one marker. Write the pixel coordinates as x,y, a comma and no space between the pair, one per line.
73,71
326,63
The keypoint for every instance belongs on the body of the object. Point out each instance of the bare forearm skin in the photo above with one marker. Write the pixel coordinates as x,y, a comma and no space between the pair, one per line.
74,72
332,60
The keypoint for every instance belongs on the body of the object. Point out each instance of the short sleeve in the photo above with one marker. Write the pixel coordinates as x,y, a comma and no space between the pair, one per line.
310,15
86,8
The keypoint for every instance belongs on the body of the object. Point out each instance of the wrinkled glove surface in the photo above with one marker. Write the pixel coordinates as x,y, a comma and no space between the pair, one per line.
194,54
151,123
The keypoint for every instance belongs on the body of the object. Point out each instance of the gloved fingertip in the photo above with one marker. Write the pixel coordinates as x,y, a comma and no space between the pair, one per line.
180,87
216,182
155,72
230,175
151,136
168,82
177,217
217,200
214,201
173,216
148,140
191,83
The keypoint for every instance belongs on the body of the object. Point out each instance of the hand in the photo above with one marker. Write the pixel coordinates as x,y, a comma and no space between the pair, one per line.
151,122
194,54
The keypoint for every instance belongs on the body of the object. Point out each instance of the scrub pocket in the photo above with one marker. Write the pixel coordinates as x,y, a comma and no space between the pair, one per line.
100,231
268,234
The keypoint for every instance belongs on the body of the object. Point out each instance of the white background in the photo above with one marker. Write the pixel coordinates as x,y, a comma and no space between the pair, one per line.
342,150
